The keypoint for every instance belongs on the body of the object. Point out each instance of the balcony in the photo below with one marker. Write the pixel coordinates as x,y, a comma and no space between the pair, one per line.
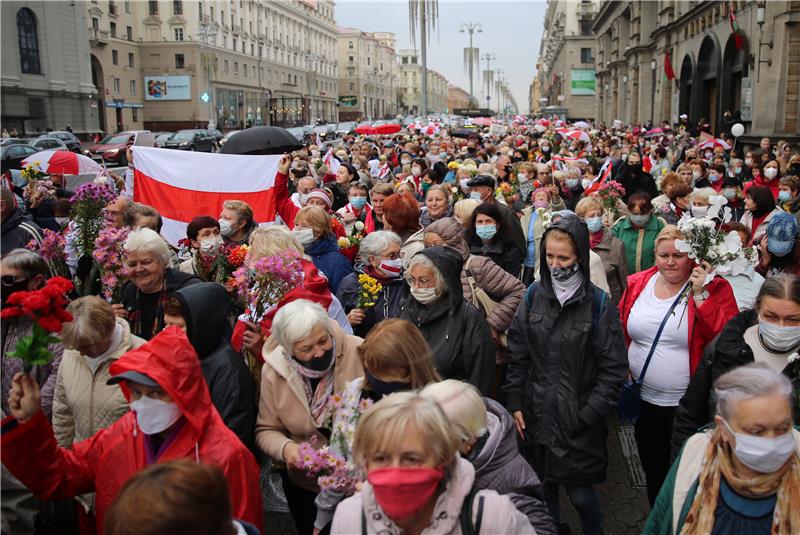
586,11
98,37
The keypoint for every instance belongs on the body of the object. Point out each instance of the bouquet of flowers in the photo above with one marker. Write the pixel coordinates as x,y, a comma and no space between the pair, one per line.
88,204
47,307
369,288
52,250
331,471
38,187
265,282
108,254
704,243
229,258
610,193
184,249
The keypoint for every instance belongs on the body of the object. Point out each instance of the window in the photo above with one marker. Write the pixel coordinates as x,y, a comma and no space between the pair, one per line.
28,42
211,10
405,60
127,6
135,115
177,7
369,61
352,86
350,59
234,44
153,6
225,69
235,67
112,7
179,34
113,27
252,49
116,85
130,59
180,62
244,68
586,55
224,41
350,45
133,87
129,33
115,57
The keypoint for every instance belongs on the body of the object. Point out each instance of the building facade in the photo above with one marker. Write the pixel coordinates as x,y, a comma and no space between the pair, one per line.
46,78
457,98
367,75
757,78
410,99
566,70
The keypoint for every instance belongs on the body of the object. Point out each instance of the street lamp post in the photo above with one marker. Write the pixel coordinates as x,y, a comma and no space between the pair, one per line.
207,35
488,57
653,66
471,28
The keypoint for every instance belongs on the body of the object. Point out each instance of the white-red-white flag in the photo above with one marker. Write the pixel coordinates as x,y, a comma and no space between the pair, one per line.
183,185
331,162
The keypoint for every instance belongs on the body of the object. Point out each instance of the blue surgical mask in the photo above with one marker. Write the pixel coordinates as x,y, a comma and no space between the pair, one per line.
486,232
784,195
475,196
594,223
714,177
358,202
572,183
639,220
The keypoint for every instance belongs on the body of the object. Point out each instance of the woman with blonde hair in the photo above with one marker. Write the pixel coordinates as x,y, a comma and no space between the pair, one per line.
462,211
312,228
608,247
395,358
416,482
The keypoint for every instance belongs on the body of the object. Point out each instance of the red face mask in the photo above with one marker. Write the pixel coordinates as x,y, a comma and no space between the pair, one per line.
403,492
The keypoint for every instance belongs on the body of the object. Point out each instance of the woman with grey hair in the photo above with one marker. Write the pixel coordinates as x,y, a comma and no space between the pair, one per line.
457,332
151,280
309,359
742,476
379,258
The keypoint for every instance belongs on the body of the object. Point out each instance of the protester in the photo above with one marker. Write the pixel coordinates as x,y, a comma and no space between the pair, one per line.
610,248
378,194
18,227
482,190
778,248
312,228
487,235
205,239
437,205
236,222
742,276
638,231
634,179
356,210
408,450
401,216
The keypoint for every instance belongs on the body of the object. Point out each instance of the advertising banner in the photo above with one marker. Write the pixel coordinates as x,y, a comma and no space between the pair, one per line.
168,87
582,82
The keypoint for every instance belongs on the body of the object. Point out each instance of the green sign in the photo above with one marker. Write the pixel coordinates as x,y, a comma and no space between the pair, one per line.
348,100
582,82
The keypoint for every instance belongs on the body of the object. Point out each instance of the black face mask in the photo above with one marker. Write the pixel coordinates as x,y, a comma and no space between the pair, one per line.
383,388
318,364
794,169
634,168
6,291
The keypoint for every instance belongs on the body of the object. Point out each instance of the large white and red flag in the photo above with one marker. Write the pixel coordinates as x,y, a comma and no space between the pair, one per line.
182,185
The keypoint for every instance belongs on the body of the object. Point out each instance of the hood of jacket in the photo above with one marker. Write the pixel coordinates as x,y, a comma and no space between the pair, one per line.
730,340
573,225
449,263
321,246
205,308
171,361
13,220
452,233
501,445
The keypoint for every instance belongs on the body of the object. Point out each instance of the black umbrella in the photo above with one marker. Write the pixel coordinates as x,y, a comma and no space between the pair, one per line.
262,140
466,133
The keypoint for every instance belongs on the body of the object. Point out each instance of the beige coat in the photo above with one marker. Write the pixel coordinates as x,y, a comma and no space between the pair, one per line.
283,412
83,403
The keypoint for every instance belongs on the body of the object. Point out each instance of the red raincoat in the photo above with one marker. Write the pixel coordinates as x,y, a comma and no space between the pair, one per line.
104,462
705,321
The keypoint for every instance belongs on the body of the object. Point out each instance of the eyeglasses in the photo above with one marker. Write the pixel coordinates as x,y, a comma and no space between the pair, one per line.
11,280
421,282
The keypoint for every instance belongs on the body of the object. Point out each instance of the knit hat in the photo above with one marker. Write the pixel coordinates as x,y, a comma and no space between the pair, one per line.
321,194
781,233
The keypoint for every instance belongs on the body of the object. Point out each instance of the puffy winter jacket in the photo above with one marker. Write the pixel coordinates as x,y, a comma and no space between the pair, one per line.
566,373
324,252
104,462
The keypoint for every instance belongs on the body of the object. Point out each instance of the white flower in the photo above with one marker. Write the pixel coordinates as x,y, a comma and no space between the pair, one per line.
733,242
793,357
359,226
717,200
683,246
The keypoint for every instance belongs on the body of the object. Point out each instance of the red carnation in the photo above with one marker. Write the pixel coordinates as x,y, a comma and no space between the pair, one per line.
50,323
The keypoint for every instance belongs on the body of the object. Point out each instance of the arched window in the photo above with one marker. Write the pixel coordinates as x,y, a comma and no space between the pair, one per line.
28,42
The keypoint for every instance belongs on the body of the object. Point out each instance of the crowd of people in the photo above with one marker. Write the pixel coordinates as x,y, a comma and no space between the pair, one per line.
433,336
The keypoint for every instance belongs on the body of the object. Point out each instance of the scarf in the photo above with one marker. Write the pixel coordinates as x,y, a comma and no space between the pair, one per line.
564,290
318,397
596,238
718,463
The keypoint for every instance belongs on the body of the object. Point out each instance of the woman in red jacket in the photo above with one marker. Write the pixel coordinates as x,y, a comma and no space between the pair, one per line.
672,293
171,417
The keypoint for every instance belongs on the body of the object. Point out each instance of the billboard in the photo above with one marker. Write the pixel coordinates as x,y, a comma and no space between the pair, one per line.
168,87
348,100
582,82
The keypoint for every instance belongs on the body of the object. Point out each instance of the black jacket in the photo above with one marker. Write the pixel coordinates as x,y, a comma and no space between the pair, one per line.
205,308
636,181
390,300
137,304
13,236
565,373
513,228
455,330
502,252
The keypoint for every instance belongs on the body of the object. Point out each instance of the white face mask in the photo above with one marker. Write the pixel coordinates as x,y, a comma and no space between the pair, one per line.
779,337
391,268
463,183
62,221
209,246
154,415
225,228
748,161
764,455
699,211
696,174
416,171
770,172
425,296
586,183
304,235
522,177
303,198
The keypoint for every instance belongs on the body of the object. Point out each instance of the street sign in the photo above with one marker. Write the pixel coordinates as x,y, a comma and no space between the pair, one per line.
205,98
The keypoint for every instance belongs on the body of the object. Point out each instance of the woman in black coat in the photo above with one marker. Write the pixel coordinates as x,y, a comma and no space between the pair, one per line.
568,364
488,236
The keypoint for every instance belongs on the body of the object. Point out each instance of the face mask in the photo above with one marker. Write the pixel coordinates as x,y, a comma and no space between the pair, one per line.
709,155
476,196
357,166
486,232
463,183
391,268
209,246
425,296
770,172
416,171
62,221
563,274
405,162
305,236
403,492
594,223
540,204
6,291
572,183
443,155
318,364
225,227
154,415
634,167
522,178
748,162
729,194
714,177
586,183
545,148
425,187
639,220
784,195
358,202
794,169
699,211
737,170
696,174
384,388
779,337
764,455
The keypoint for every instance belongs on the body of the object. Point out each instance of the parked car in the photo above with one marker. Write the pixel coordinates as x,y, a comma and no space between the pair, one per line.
348,127
70,140
161,137
199,139
217,134
12,141
111,148
48,143
227,136
11,156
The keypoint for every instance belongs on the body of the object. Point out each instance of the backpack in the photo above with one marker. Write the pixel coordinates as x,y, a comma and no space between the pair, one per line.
464,518
598,301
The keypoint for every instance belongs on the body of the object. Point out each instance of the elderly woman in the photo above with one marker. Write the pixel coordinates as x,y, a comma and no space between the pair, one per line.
701,201
489,443
437,205
236,222
312,228
638,231
312,359
151,280
416,482
669,314
742,476
456,330
401,216
205,239
395,358
379,253
610,248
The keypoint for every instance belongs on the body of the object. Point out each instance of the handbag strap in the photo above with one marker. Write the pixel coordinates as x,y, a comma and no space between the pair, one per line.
677,300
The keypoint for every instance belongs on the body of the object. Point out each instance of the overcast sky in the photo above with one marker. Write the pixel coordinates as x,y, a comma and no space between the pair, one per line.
511,31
